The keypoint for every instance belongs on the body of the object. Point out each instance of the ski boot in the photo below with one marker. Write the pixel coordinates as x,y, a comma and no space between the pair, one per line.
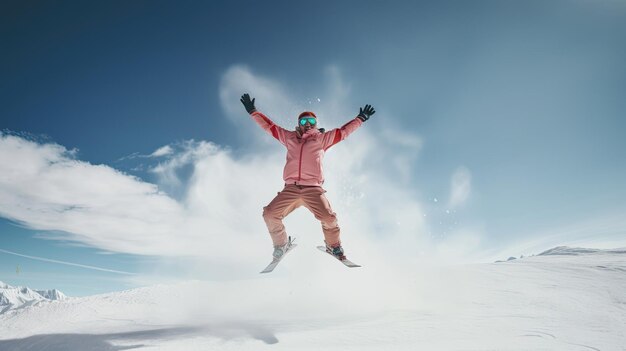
336,250
280,250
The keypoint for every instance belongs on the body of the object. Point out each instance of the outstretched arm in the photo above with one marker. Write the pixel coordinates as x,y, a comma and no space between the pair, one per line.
338,134
262,120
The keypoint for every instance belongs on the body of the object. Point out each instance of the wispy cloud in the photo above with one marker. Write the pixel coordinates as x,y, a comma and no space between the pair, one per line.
66,263
162,151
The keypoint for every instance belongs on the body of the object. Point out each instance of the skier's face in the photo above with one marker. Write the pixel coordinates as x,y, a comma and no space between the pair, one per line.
307,123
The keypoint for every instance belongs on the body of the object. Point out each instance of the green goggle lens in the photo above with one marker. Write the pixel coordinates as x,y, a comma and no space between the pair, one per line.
312,121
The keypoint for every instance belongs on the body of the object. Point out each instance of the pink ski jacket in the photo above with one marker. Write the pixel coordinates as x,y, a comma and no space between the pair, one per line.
305,152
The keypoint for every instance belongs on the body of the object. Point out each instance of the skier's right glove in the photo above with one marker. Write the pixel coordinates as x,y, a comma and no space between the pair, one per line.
247,103
366,112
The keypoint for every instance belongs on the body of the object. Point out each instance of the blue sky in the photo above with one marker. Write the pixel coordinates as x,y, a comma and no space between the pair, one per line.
499,131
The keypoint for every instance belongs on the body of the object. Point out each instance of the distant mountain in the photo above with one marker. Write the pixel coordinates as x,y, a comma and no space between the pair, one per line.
577,251
12,298
570,251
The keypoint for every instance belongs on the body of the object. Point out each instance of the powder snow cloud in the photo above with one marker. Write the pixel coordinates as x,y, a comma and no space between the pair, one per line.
460,187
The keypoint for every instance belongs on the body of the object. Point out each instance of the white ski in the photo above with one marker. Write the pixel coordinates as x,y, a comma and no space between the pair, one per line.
346,261
270,267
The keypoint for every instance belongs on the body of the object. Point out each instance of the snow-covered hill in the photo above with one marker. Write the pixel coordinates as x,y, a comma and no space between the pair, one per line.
19,297
577,251
562,299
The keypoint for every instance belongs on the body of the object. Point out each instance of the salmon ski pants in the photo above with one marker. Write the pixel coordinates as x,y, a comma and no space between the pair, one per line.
292,197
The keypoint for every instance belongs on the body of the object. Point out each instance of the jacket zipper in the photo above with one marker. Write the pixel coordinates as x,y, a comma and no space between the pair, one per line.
300,161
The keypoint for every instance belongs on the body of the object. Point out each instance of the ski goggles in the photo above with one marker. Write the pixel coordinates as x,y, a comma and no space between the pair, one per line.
311,121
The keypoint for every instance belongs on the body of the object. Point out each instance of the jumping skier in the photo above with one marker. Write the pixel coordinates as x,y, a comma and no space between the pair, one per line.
303,175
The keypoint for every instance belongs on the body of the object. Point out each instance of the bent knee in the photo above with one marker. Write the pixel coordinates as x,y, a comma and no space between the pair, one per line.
269,213
329,218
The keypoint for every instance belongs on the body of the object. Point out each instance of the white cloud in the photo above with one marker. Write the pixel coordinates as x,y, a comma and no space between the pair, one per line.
162,151
45,187
460,187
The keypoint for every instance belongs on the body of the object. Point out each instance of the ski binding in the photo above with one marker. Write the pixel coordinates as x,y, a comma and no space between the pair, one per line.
270,267
346,261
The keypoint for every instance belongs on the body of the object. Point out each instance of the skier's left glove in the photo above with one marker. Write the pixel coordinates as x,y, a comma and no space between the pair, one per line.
366,112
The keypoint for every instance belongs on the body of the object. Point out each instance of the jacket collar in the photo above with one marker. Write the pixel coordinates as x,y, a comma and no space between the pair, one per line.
308,134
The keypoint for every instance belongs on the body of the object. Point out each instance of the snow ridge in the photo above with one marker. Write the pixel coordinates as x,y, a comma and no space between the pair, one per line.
578,251
12,298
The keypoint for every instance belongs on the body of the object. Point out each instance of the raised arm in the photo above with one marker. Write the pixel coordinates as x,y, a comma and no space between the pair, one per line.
338,134
262,120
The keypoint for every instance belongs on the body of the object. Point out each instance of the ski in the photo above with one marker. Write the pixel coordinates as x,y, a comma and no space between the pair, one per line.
270,267
346,261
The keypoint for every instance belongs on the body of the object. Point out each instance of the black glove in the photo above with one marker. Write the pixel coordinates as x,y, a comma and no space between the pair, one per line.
366,112
247,103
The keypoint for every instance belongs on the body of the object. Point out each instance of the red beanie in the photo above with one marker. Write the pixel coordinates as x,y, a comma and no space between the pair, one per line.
307,113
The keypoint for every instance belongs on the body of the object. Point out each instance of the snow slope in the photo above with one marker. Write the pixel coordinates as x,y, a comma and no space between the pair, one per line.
562,299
